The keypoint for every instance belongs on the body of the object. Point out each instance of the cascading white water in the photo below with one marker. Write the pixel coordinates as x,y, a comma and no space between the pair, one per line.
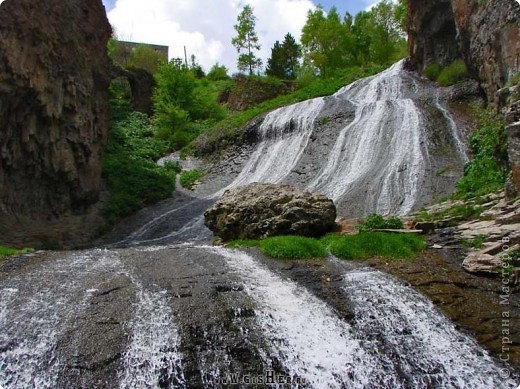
379,160
304,333
34,313
407,330
152,358
284,135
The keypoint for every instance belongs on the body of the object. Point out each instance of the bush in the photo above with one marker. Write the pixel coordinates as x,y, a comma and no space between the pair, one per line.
432,71
455,72
292,247
7,251
487,171
378,222
134,179
189,177
218,73
374,244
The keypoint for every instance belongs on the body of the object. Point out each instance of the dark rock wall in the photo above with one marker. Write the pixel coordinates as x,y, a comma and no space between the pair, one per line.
54,113
486,34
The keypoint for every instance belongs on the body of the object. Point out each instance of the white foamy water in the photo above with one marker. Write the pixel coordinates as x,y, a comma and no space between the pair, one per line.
34,309
305,334
284,135
152,359
381,149
419,343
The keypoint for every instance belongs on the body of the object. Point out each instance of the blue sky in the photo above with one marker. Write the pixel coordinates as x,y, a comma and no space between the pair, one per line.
205,27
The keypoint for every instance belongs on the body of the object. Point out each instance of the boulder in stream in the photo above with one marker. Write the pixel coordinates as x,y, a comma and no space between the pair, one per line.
258,211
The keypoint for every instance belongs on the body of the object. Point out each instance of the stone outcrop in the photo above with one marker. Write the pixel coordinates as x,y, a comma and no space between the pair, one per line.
142,85
258,211
54,113
486,34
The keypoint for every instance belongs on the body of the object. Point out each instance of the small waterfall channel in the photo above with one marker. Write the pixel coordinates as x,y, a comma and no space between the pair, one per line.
180,314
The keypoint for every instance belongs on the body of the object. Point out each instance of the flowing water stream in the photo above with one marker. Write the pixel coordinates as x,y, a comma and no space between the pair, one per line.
161,309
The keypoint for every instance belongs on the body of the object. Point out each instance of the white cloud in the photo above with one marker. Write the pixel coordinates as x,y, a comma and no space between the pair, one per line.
205,27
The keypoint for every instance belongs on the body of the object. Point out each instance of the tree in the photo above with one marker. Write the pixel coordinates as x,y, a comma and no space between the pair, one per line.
144,57
326,41
218,72
246,42
284,61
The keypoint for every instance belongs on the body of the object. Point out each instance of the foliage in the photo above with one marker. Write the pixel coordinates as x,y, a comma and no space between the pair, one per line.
144,57
514,79
367,245
361,246
218,73
376,222
133,178
476,243
487,170
284,61
457,212
432,71
247,40
179,102
453,73
219,135
375,36
292,247
8,251
189,177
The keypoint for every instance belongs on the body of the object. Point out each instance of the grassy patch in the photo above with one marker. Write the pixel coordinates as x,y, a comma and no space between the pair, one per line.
292,247
476,243
189,177
453,73
377,222
458,212
432,71
374,244
7,251
361,246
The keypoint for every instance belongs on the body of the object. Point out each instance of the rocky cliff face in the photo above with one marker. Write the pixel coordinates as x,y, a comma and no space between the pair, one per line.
54,74
486,34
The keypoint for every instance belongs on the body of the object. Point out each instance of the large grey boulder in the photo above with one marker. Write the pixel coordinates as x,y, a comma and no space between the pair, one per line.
258,211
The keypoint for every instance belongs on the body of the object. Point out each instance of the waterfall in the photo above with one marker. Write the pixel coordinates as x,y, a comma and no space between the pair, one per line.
284,135
379,160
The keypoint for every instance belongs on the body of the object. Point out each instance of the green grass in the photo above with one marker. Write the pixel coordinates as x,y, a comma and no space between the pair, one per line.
7,251
475,243
292,247
189,177
453,73
374,244
458,212
361,246
432,71
377,222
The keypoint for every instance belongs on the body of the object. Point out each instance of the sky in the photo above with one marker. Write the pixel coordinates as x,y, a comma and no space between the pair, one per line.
205,27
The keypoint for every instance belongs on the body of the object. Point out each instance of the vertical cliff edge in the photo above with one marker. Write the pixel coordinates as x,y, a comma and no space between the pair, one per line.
54,114
486,35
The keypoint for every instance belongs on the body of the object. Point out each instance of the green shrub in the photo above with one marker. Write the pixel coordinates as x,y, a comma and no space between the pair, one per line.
292,247
134,179
8,251
218,73
174,167
188,178
455,72
378,222
374,244
432,71
487,171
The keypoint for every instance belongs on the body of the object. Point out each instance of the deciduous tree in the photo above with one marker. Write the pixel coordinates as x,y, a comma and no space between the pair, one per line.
246,41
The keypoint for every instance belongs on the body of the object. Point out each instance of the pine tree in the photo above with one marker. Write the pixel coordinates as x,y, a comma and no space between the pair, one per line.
284,59
247,41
